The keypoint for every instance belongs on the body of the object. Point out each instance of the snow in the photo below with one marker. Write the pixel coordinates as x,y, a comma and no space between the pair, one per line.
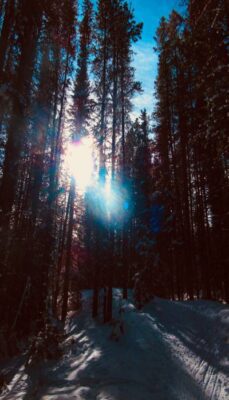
169,351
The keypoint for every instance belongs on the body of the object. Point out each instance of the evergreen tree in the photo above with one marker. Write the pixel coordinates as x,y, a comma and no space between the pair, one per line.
186,135
82,104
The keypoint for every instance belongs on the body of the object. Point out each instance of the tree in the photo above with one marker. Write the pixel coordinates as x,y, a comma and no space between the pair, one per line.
82,104
185,130
32,192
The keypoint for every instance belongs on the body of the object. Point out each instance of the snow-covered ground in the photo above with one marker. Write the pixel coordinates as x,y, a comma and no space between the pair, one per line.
169,351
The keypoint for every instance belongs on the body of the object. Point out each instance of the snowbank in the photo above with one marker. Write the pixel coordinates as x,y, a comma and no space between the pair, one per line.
169,351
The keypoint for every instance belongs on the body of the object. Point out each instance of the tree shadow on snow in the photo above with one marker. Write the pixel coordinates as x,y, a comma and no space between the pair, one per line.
138,367
200,337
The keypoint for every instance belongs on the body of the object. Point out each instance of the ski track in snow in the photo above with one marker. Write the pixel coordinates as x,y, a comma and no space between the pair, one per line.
169,351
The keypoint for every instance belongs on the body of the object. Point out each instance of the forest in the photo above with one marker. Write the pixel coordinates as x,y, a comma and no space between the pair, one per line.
90,197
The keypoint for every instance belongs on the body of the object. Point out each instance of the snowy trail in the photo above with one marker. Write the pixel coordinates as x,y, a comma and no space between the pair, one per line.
170,351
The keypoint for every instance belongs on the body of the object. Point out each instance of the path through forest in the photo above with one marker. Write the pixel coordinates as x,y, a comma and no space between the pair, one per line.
169,351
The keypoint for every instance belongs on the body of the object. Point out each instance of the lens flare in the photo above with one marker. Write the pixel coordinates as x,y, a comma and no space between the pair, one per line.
109,202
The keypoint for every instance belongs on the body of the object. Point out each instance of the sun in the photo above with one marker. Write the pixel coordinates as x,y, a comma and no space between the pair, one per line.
79,162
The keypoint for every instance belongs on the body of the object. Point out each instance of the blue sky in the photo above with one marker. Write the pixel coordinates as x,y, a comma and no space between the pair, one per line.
145,60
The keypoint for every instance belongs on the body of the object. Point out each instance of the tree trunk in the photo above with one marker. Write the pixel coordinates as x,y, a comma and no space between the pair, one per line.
68,252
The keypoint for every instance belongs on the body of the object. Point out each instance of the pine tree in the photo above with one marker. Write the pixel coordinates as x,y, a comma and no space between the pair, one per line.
31,235
82,104
80,118
186,134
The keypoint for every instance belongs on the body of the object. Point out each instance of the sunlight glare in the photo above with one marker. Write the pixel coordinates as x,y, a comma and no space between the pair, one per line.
79,160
